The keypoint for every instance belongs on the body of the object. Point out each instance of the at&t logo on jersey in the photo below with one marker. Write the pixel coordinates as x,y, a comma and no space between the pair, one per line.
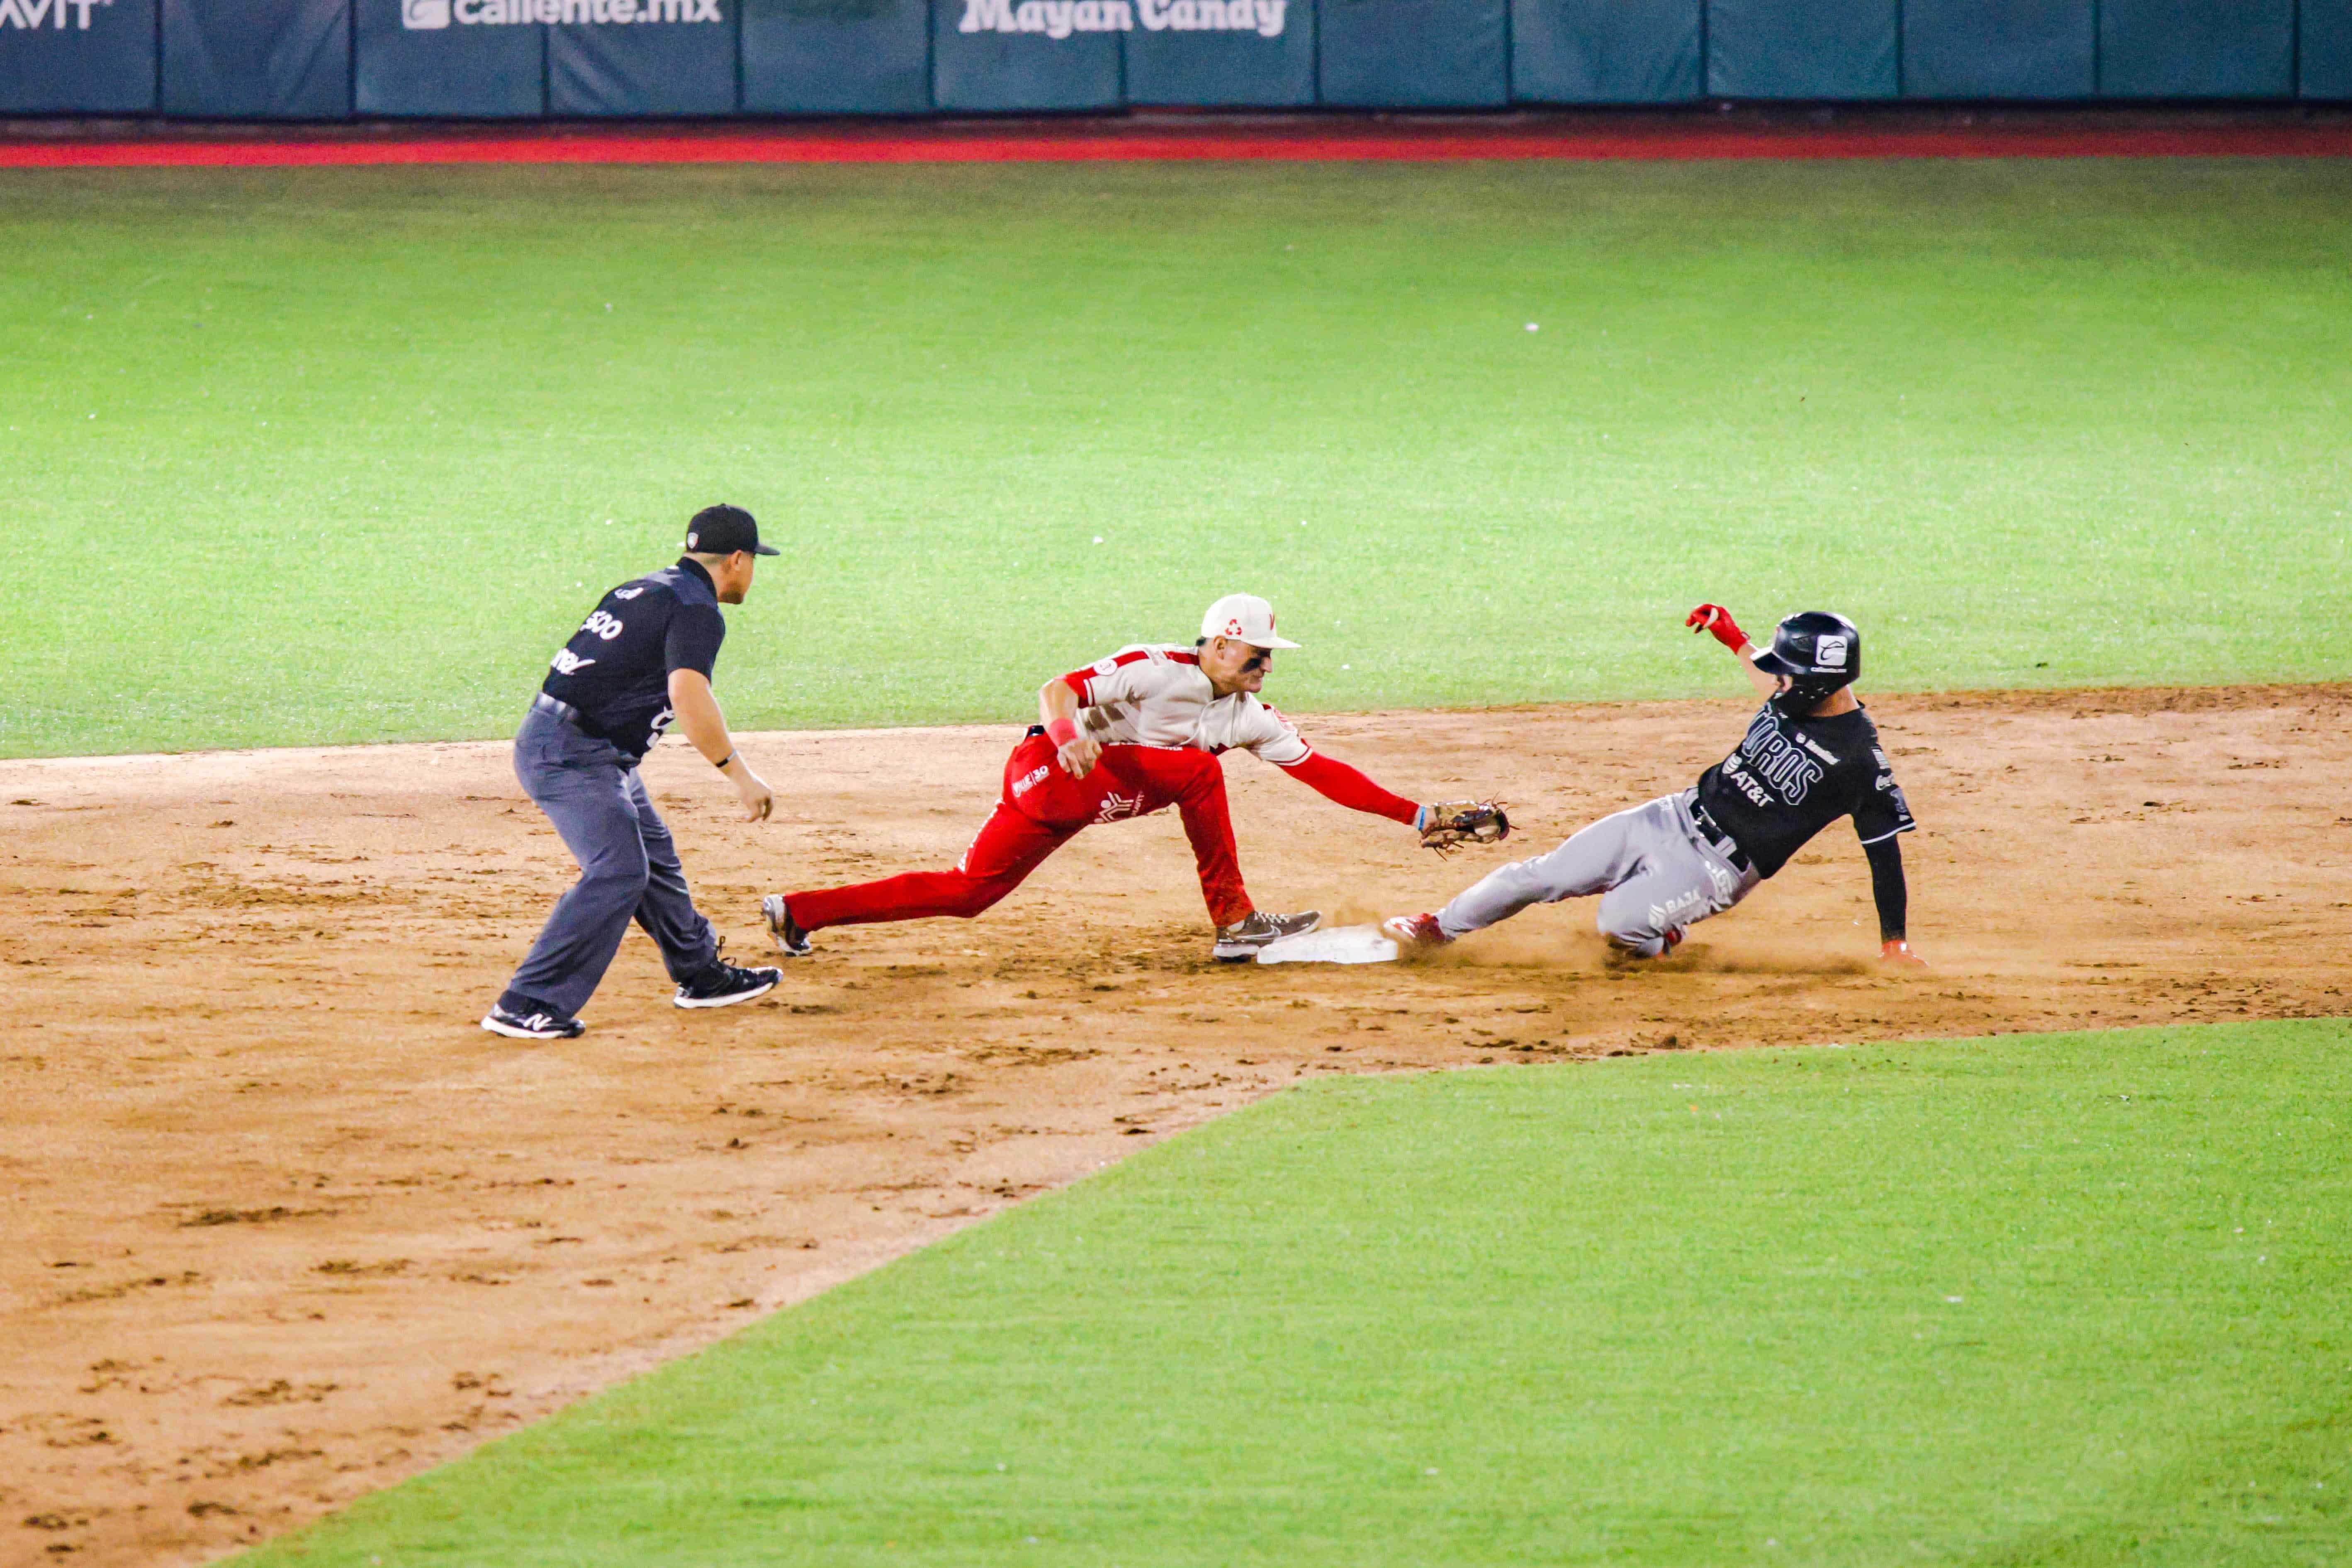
1765,757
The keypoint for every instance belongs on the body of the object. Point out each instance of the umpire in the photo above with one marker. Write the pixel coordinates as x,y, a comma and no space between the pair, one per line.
642,657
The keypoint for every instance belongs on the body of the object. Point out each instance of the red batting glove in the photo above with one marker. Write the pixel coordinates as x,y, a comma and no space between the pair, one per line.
1715,618
1898,951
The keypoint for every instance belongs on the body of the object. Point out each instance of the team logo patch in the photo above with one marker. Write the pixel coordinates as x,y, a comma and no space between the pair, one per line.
1829,654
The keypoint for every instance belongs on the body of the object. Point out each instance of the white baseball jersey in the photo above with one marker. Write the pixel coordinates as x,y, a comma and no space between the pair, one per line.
1153,694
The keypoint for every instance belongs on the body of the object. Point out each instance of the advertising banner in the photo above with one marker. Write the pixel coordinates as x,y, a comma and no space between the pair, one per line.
836,57
1415,54
257,60
2325,55
76,57
1801,48
2196,49
1605,51
1011,54
442,57
2000,48
1239,53
636,58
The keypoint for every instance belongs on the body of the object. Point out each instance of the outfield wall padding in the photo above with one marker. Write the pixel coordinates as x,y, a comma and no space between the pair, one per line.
257,60
1803,48
2196,49
330,60
1607,51
836,57
1415,54
448,59
76,57
1254,54
2325,51
675,57
1001,56
2000,48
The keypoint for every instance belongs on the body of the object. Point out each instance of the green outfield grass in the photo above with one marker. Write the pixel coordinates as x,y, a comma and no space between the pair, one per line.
344,455
2069,1299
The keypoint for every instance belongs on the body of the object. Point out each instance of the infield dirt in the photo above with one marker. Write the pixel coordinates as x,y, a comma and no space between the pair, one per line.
286,1225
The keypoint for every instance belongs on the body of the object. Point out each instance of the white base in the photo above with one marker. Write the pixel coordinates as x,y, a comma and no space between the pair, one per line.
1341,944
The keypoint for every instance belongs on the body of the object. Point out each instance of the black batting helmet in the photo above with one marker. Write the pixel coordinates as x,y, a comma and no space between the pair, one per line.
1818,651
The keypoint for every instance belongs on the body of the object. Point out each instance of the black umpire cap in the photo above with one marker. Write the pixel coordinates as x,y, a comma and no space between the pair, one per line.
724,530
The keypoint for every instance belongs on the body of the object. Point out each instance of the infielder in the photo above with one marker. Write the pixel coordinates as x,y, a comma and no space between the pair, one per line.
1131,734
1810,756
642,657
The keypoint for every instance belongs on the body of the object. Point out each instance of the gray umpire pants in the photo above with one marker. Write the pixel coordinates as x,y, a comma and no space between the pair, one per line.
1652,866
628,868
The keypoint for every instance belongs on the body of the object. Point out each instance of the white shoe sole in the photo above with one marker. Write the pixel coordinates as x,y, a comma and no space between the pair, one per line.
1243,951
497,1025
727,1001
772,907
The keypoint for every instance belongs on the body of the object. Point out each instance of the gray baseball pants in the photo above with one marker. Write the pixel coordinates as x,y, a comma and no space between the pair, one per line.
1652,866
628,868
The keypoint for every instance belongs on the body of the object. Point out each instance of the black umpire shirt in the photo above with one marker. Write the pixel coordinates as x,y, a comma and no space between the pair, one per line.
616,669
1789,778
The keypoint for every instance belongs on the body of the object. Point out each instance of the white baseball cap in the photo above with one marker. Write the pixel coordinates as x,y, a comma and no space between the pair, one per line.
1245,616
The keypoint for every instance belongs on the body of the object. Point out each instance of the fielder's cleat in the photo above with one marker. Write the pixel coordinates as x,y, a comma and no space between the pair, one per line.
537,1024
791,940
1239,942
1416,931
723,985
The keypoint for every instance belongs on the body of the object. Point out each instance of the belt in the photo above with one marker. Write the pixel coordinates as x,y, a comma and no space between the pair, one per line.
1723,843
557,708
562,709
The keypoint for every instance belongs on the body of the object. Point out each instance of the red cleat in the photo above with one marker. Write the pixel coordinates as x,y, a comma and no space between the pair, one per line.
1416,931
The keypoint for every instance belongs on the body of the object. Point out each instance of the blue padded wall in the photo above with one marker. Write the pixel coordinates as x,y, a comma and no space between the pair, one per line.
653,58
449,58
2325,51
836,57
2001,48
1606,51
1002,56
1802,49
1415,54
257,60
77,57
1244,53
2196,49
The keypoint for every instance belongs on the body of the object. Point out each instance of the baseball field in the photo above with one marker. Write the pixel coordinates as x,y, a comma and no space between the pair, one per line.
1041,1238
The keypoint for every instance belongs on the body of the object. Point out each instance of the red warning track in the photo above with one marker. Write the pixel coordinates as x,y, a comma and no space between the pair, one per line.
1114,142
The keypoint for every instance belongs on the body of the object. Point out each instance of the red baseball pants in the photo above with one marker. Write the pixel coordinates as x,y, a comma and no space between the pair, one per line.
1042,808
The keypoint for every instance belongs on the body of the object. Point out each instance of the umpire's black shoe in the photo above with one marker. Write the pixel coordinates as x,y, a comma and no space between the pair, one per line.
528,1023
791,940
723,985
1240,941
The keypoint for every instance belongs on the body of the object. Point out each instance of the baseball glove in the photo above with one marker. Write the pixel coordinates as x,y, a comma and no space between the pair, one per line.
1449,824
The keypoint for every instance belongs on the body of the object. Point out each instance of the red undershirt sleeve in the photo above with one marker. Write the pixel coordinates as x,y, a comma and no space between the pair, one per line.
1077,681
1337,781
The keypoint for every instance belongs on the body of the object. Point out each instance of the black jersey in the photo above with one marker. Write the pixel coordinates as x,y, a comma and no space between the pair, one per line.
616,669
1789,778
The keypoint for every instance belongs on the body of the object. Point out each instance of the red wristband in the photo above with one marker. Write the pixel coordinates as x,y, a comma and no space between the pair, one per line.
1062,731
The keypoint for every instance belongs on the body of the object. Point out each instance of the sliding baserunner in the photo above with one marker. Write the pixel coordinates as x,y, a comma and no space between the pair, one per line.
1810,756
1127,736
